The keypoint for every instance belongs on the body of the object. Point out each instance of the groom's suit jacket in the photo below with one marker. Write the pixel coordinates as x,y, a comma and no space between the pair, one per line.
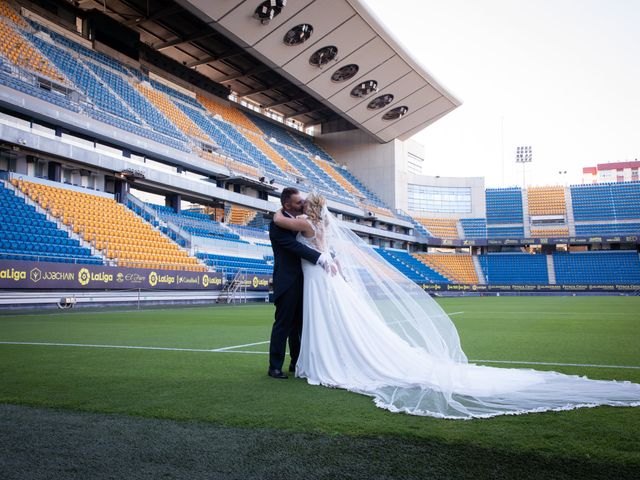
287,252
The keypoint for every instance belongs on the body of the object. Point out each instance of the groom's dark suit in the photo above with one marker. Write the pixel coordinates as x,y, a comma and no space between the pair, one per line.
287,295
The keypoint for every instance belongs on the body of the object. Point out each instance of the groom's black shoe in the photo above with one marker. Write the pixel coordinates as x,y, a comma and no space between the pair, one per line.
277,373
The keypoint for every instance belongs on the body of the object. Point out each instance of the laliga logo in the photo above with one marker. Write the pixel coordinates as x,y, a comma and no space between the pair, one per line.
255,282
205,280
84,276
153,279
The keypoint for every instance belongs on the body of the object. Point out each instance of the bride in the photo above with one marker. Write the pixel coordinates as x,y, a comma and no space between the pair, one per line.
371,330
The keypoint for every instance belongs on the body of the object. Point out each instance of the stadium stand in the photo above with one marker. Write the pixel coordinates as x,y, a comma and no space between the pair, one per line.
458,268
546,201
113,229
504,232
272,130
229,114
611,267
198,224
20,52
514,268
504,206
412,267
26,234
549,232
595,229
474,227
10,13
239,215
272,154
173,113
440,227
606,201
232,265
257,147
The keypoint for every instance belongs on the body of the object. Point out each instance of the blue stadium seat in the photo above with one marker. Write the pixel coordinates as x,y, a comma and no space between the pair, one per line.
474,227
411,267
514,268
504,206
27,235
610,267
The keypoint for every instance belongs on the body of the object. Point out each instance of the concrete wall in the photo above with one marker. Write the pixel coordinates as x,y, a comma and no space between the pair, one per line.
384,169
371,162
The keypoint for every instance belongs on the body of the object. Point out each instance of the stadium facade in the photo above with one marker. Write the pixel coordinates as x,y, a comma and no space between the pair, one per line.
210,109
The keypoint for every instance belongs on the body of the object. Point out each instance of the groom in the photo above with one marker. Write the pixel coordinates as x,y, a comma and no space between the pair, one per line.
288,285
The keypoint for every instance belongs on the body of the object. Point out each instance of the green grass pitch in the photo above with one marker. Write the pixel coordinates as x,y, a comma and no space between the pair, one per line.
187,381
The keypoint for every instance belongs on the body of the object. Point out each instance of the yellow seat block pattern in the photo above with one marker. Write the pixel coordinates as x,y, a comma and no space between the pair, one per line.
456,267
377,210
274,156
20,52
112,228
173,113
546,201
229,163
550,232
7,11
240,216
229,113
440,227
328,168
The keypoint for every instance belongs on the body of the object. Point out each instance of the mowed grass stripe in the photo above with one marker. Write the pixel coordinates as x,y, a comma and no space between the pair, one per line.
235,349
234,390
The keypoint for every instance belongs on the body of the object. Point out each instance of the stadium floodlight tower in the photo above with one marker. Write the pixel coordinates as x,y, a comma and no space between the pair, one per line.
524,155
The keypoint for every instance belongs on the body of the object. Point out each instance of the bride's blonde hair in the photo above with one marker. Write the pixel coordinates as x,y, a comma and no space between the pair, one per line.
315,207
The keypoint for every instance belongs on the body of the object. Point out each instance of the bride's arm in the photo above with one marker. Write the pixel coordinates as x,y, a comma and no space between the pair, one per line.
295,224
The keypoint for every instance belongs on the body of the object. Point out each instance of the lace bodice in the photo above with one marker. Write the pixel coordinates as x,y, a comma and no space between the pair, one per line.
318,240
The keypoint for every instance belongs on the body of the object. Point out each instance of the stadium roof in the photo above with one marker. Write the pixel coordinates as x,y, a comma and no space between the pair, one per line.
228,42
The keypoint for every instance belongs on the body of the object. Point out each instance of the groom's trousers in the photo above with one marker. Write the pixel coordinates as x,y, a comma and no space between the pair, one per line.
288,324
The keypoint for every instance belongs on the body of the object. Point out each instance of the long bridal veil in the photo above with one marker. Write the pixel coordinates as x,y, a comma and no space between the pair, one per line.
439,381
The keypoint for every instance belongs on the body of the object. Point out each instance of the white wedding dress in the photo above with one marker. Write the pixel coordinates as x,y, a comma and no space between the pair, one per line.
372,331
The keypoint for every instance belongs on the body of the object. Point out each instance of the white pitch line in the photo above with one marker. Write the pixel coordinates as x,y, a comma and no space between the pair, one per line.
88,345
482,312
239,346
135,347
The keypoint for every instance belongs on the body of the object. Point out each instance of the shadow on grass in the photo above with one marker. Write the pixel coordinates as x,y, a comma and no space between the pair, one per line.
39,443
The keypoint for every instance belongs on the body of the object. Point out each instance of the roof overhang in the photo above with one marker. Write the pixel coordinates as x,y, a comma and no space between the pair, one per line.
223,41
361,40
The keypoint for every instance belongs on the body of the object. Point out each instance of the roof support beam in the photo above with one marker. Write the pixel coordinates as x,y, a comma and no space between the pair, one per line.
165,12
234,52
305,112
288,100
248,73
179,41
264,89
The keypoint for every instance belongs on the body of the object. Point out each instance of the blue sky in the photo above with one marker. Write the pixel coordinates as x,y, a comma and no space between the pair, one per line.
560,75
